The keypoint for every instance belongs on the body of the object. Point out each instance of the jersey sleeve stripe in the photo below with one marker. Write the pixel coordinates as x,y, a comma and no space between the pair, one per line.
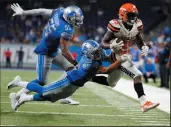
114,29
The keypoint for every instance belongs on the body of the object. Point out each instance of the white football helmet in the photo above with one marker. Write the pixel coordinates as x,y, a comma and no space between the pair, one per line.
73,15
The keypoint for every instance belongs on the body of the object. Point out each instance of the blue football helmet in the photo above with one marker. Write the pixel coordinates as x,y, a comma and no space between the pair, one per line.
91,49
73,15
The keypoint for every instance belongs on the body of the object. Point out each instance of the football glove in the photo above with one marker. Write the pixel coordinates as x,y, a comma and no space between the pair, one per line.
145,50
116,46
17,9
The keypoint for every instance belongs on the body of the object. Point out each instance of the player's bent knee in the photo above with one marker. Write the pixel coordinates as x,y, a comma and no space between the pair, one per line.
137,79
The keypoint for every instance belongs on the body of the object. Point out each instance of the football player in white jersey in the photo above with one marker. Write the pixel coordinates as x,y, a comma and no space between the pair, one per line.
119,38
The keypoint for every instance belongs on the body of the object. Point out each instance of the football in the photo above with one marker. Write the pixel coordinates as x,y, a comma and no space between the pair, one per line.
117,40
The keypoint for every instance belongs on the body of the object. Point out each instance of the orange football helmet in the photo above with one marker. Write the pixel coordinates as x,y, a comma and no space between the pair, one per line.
128,13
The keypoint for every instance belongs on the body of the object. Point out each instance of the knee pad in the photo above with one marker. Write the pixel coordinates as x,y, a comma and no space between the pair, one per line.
137,79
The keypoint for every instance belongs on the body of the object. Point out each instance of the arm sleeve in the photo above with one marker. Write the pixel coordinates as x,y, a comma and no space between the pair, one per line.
40,11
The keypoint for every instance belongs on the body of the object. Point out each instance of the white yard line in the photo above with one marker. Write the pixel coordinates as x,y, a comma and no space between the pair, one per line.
7,125
68,113
155,124
146,118
133,113
103,106
79,98
147,121
154,94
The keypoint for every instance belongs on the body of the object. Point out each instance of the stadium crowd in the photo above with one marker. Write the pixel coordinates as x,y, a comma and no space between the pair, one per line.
28,30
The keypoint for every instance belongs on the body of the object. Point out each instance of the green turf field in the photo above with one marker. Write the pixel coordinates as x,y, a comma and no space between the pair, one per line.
99,105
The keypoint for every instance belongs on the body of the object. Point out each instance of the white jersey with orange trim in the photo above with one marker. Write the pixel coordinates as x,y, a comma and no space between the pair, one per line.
128,36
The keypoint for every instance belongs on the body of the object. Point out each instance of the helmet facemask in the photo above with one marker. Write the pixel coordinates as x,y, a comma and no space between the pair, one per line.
92,50
95,55
131,18
76,21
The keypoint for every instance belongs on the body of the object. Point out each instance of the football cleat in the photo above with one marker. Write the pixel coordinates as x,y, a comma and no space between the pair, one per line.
22,100
68,101
149,105
13,100
14,82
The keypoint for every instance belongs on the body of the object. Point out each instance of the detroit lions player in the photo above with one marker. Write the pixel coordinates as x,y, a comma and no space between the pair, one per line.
87,67
58,31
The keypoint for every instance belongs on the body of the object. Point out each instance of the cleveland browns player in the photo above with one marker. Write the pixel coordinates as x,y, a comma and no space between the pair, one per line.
121,34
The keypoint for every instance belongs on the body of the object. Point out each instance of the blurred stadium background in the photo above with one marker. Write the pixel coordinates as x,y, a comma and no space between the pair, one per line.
19,36
25,31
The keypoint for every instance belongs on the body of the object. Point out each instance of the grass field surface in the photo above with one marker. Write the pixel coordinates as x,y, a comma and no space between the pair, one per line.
99,105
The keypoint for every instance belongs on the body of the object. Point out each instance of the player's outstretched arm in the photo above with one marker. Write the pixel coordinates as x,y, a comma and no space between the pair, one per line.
65,51
19,11
113,66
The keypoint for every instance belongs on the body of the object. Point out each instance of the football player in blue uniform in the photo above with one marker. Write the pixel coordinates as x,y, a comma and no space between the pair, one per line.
58,31
89,65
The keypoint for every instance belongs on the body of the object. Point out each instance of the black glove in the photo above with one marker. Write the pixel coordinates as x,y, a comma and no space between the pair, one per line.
75,62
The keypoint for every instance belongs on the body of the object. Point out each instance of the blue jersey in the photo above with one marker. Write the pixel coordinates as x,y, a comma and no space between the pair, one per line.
56,28
85,70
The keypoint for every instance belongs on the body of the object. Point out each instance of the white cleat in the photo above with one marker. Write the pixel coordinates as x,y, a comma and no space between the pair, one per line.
22,100
13,100
14,82
68,101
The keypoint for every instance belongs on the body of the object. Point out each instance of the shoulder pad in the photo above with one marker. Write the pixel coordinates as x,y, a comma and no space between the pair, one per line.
113,25
59,10
139,24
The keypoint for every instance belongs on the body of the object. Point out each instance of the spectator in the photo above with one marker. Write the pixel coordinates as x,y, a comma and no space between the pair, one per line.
99,35
164,71
149,70
152,53
136,56
7,54
20,54
168,65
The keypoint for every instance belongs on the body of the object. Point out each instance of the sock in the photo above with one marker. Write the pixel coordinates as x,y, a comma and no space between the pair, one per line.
101,80
22,84
139,89
142,100
23,90
28,97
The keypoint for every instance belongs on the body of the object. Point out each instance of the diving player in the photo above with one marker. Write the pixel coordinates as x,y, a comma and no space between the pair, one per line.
119,38
87,67
58,31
